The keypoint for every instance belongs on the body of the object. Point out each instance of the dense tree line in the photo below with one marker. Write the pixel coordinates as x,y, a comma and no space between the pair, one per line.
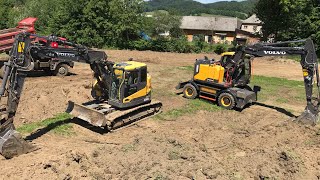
189,7
90,22
95,23
289,19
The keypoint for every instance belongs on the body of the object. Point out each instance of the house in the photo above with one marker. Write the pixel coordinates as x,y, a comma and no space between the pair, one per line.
252,25
215,29
245,37
219,29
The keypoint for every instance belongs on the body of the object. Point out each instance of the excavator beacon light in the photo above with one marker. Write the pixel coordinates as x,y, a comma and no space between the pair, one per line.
54,44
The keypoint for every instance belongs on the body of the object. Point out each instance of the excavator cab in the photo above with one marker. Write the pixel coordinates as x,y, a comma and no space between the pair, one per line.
242,74
130,85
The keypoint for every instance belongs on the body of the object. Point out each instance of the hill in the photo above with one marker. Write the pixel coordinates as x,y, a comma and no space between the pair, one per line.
189,7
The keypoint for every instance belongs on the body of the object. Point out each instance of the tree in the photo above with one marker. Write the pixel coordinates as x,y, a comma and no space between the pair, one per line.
163,22
289,19
98,23
8,12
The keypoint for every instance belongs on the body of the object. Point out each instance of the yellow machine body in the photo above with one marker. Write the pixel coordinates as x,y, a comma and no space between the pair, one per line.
128,100
141,93
209,72
133,82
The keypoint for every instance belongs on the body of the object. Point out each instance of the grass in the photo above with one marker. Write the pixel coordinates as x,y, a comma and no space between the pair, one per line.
57,125
192,107
187,68
279,90
294,58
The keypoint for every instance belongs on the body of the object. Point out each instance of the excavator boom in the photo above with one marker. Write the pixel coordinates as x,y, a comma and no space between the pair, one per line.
309,64
21,60
11,142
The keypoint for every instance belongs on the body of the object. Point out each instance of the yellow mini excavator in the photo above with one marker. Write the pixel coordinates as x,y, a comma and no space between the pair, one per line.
122,91
122,96
226,81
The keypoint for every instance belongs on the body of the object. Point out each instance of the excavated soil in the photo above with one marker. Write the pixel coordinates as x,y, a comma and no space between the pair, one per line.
257,143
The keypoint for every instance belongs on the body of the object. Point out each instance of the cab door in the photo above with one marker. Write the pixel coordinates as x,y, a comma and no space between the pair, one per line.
136,82
132,82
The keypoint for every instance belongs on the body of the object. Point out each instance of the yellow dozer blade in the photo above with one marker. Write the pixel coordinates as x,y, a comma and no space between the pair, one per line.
102,114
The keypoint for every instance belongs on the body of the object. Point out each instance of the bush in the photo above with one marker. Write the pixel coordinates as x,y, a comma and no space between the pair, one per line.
179,45
221,48
140,45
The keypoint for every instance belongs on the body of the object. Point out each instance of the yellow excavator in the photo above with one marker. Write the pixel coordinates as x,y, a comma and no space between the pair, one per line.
122,98
122,91
226,80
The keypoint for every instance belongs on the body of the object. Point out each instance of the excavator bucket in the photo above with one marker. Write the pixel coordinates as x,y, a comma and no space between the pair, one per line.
12,144
308,117
87,113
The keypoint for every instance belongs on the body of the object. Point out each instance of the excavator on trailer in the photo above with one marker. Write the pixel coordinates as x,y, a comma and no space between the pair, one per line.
226,81
122,91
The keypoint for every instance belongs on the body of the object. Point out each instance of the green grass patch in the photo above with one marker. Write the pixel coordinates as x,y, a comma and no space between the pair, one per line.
186,68
294,58
58,124
192,107
279,89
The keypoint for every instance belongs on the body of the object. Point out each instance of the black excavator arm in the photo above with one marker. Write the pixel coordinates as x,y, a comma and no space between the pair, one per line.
22,54
309,64
11,142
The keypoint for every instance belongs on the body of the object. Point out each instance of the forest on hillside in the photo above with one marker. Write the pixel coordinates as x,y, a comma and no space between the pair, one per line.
189,7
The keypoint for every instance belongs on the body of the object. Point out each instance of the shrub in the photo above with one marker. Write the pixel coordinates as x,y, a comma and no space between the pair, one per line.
220,48
179,45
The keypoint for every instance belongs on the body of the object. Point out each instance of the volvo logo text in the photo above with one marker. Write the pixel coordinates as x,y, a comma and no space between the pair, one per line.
66,54
275,52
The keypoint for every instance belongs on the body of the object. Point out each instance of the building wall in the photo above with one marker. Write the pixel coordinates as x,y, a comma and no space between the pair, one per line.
251,28
250,39
211,36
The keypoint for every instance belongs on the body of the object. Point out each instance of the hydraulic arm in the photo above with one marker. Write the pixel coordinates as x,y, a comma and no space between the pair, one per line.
309,64
11,142
22,54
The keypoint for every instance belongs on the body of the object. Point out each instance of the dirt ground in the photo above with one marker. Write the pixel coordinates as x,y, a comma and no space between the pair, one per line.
256,143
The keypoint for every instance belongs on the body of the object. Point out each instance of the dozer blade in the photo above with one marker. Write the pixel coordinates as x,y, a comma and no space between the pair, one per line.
101,114
12,144
85,113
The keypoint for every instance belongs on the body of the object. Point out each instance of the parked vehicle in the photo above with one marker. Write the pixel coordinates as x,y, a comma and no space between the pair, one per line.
56,66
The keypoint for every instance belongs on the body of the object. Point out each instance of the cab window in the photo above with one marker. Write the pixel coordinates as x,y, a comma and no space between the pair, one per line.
225,60
132,77
144,75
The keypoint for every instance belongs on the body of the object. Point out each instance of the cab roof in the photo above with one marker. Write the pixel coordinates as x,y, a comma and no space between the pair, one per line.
227,54
129,65
231,53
